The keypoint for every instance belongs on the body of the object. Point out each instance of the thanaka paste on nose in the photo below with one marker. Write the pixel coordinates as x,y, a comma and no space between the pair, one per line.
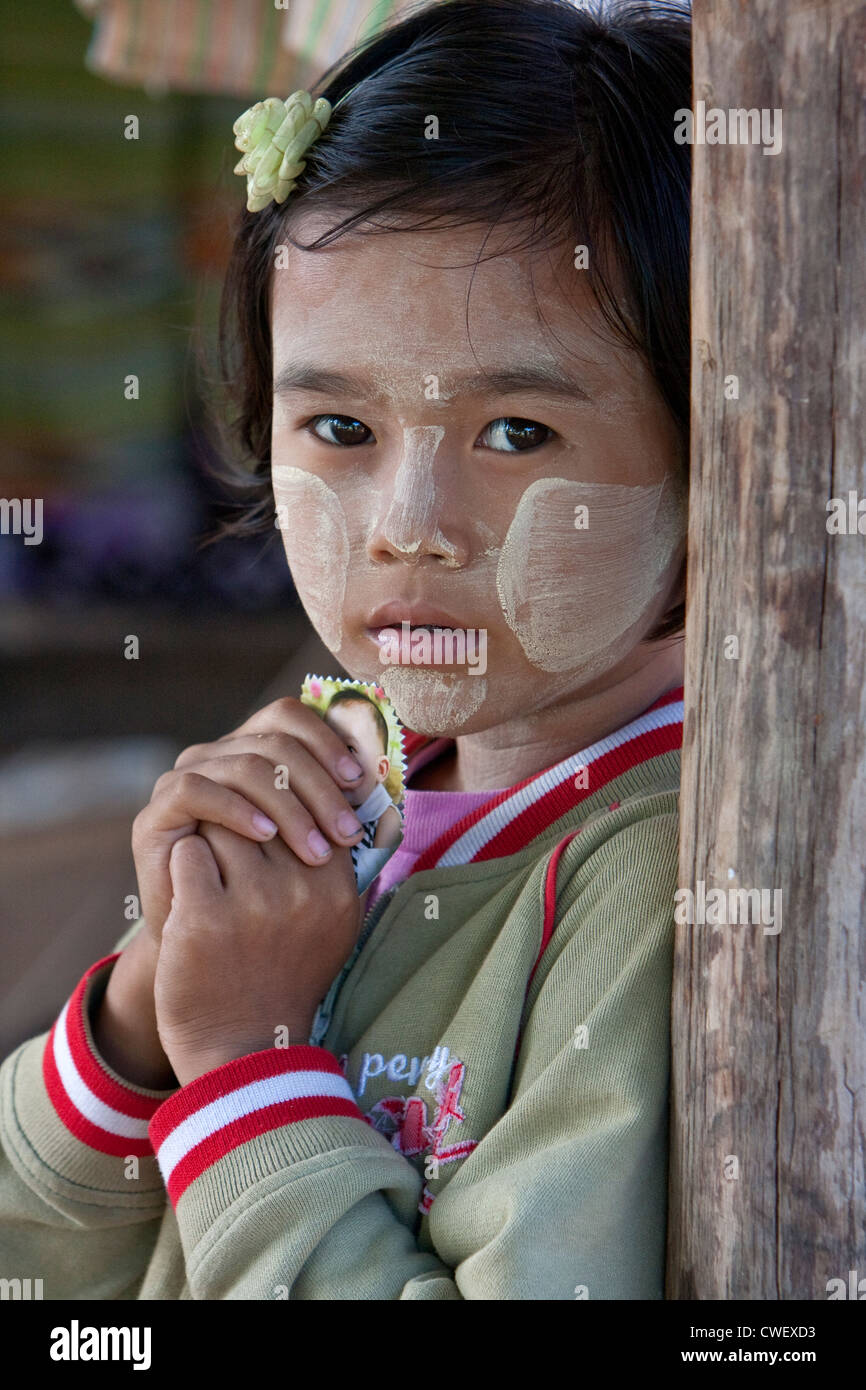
412,517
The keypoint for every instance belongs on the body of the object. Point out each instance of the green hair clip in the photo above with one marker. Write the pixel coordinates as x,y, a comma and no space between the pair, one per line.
318,691
272,135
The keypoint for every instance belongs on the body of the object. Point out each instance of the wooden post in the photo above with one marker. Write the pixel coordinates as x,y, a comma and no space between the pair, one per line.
769,1034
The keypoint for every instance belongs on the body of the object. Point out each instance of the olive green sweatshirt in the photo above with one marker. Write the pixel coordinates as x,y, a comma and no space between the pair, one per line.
481,1111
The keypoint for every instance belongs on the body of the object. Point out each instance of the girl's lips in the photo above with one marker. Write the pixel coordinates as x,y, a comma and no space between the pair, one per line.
377,634
398,611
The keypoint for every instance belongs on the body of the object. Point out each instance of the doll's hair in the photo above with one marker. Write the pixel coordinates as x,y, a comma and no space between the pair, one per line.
342,696
555,119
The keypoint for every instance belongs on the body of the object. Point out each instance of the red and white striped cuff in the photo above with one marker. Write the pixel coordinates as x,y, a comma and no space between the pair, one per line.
205,1120
102,1112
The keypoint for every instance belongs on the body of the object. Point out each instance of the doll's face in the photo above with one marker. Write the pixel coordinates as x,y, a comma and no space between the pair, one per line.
503,462
357,727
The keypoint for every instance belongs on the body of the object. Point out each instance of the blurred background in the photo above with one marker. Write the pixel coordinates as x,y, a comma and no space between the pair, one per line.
111,260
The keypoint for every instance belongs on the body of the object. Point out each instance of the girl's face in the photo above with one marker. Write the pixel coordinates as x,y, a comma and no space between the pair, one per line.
512,469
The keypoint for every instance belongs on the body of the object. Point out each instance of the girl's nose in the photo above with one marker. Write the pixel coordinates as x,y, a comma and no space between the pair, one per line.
416,517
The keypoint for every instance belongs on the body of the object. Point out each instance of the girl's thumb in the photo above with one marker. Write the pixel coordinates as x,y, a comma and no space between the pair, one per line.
193,868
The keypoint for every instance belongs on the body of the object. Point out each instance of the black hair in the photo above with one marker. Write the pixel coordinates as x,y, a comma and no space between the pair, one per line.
555,118
381,723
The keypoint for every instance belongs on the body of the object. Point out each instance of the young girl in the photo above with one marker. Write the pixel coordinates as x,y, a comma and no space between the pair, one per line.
457,321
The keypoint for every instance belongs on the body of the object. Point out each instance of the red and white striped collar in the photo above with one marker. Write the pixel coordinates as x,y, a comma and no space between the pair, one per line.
511,819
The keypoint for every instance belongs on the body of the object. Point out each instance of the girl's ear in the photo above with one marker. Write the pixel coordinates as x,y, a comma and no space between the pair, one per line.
384,766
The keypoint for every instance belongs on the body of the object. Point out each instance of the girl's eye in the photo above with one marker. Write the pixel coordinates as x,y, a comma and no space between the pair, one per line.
510,435
345,431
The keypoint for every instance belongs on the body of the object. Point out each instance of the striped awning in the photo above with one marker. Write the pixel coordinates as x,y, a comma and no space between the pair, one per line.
248,48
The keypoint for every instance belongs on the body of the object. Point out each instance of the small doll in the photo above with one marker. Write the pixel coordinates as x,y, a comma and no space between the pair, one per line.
365,720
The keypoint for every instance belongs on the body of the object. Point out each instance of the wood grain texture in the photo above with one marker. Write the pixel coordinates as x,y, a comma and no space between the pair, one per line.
769,1044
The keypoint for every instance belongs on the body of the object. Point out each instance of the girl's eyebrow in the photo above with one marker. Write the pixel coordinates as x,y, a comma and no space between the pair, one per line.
521,380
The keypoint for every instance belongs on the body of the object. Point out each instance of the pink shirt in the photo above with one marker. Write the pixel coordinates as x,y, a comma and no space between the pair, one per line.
426,815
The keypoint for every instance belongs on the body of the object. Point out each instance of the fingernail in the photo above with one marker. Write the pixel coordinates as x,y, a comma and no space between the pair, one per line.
348,824
264,824
348,768
318,844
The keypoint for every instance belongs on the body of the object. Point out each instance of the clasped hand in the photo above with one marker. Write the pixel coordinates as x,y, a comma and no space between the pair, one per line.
251,926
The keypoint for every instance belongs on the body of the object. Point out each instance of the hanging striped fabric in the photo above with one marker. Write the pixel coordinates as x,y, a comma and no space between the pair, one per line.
246,48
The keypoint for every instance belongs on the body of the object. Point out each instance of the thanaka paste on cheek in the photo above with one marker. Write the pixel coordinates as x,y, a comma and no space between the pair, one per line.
316,542
568,593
